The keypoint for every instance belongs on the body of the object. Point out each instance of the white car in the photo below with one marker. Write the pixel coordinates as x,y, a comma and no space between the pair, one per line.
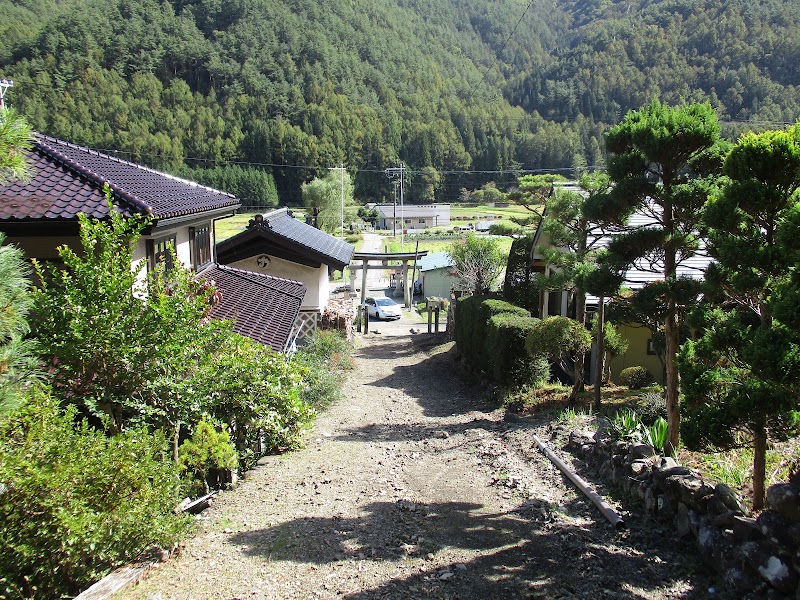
383,308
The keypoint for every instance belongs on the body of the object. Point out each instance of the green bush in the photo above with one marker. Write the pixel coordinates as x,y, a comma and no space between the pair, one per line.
258,393
75,503
472,325
206,453
503,228
509,363
635,377
326,359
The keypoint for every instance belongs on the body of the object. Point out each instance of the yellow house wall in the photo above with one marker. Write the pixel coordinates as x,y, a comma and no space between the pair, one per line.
637,354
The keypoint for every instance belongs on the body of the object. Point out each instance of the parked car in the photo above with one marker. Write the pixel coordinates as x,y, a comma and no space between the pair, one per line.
383,308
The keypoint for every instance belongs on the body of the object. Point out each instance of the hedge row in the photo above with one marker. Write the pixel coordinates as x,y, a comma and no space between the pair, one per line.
490,334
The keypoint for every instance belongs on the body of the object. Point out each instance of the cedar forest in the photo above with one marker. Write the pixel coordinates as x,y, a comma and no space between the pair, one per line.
464,92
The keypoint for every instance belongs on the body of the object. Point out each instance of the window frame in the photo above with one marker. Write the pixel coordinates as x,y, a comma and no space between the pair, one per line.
155,251
197,235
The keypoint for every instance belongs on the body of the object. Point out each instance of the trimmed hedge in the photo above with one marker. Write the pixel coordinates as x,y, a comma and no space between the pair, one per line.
636,377
509,363
472,326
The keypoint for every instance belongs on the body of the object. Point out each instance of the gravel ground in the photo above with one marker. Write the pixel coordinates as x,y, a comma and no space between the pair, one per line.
412,487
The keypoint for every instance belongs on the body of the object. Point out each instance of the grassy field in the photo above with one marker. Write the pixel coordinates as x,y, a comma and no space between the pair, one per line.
229,227
434,245
461,214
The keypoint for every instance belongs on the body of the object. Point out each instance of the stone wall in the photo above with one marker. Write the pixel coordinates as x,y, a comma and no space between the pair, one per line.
754,557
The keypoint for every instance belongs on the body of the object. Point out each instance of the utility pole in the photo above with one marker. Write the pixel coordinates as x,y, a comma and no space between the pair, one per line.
4,85
394,172
341,170
394,209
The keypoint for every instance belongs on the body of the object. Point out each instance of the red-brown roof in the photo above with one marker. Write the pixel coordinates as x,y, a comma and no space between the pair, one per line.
69,179
263,308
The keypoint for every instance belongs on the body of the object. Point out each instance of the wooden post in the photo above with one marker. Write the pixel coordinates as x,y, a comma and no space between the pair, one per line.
364,281
366,318
406,301
436,312
430,316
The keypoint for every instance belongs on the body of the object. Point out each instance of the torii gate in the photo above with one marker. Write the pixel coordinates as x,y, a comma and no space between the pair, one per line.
367,257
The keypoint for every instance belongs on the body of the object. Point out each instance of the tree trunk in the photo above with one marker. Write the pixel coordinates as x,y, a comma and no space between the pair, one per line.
759,466
580,359
672,382
598,362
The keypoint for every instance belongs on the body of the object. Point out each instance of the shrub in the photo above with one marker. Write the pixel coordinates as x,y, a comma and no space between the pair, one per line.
652,405
472,323
208,451
75,503
509,363
503,228
325,358
258,393
635,377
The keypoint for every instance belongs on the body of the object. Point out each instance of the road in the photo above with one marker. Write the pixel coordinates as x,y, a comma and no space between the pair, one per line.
414,487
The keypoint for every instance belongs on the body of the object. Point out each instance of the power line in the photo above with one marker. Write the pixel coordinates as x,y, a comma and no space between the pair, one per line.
508,39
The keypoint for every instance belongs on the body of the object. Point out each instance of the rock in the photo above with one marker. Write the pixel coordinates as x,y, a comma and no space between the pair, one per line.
651,500
638,467
730,499
579,438
723,520
785,498
714,548
666,509
776,528
696,522
641,451
660,474
681,521
667,462
740,580
772,568
744,529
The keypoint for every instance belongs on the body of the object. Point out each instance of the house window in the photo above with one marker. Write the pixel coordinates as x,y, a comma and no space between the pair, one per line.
422,221
158,252
408,221
200,246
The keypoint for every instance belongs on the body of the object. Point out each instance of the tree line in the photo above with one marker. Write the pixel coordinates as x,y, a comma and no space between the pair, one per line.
450,88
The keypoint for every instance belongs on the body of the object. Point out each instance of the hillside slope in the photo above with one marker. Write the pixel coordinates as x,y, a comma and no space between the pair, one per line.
457,85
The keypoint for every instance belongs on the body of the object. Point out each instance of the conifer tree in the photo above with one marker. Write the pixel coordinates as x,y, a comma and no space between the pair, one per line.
662,164
741,377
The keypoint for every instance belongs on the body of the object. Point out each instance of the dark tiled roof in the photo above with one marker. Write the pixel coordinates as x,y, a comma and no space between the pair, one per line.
310,237
262,307
69,179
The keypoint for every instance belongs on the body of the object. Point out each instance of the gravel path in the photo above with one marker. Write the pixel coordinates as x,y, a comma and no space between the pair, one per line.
412,487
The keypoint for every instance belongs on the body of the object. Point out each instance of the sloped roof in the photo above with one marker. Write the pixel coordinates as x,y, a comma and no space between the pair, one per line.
435,260
387,211
279,225
263,308
68,179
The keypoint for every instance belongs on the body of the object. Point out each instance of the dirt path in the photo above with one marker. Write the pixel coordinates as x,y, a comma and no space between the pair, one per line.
413,488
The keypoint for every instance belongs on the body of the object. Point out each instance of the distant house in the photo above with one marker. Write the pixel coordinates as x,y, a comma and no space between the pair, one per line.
411,217
277,244
40,215
640,344
436,275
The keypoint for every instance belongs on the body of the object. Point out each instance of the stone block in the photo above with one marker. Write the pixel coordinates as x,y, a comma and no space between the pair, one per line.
785,498
641,451
730,499
577,439
770,565
714,548
744,529
778,529
681,521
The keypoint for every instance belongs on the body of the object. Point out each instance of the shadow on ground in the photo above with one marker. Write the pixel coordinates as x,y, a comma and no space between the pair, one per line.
523,553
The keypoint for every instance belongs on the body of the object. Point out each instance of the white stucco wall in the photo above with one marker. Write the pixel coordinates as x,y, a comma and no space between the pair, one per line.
315,279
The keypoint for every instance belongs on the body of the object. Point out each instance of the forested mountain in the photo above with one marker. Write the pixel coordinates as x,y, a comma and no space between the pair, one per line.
458,86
